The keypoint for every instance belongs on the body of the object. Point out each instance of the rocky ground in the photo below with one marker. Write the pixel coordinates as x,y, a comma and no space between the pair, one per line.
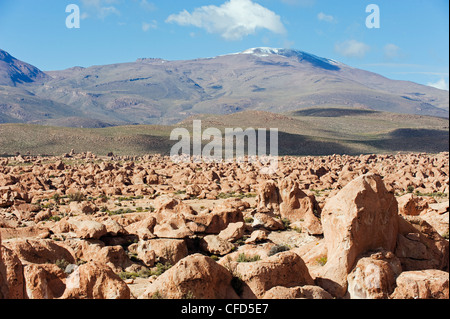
81,226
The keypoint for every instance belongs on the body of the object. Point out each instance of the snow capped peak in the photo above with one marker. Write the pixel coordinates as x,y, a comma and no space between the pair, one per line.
262,51
296,54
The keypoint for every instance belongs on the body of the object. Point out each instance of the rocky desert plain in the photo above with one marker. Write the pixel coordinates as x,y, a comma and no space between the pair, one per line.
81,226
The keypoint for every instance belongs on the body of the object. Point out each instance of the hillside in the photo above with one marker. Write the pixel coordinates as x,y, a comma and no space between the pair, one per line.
13,71
156,91
313,131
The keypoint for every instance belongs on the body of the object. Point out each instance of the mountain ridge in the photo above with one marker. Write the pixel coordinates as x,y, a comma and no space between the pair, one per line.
157,91
13,71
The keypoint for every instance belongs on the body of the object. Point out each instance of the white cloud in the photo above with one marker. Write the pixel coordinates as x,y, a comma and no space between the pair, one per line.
148,6
233,20
391,51
442,84
151,25
102,8
325,17
352,49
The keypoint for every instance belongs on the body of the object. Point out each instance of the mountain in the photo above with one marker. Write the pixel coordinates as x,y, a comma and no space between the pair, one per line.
13,71
156,91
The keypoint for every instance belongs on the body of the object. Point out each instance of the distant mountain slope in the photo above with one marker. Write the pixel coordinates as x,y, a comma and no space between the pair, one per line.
318,131
155,91
13,71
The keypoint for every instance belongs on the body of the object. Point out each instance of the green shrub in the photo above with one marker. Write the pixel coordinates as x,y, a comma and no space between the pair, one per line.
77,197
245,259
286,223
249,220
278,249
322,260
160,269
120,211
62,263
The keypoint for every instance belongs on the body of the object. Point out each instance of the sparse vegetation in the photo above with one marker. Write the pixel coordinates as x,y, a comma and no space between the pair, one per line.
77,197
337,136
248,220
322,260
446,235
62,263
243,258
286,223
160,269
410,189
278,249
120,211
129,198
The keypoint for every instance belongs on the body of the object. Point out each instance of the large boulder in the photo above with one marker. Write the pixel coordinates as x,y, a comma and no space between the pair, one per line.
422,284
143,228
305,292
297,206
11,275
215,245
160,251
86,228
374,276
173,226
229,212
94,280
289,202
419,245
113,256
268,197
41,251
285,269
195,276
233,232
438,217
44,281
174,219
363,216
268,221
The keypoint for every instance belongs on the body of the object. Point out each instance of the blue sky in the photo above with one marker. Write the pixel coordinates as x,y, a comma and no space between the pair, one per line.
411,43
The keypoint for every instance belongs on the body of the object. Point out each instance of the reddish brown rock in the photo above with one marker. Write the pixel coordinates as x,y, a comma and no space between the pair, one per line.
423,284
305,292
85,207
374,277
268,197
161,250
233,232
41,251
44,281
143,228
113,256
86,228
419,246
268,221
285,269
216,245
363,216
296,206
195,276
12,284
95,281
257,236
411,205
